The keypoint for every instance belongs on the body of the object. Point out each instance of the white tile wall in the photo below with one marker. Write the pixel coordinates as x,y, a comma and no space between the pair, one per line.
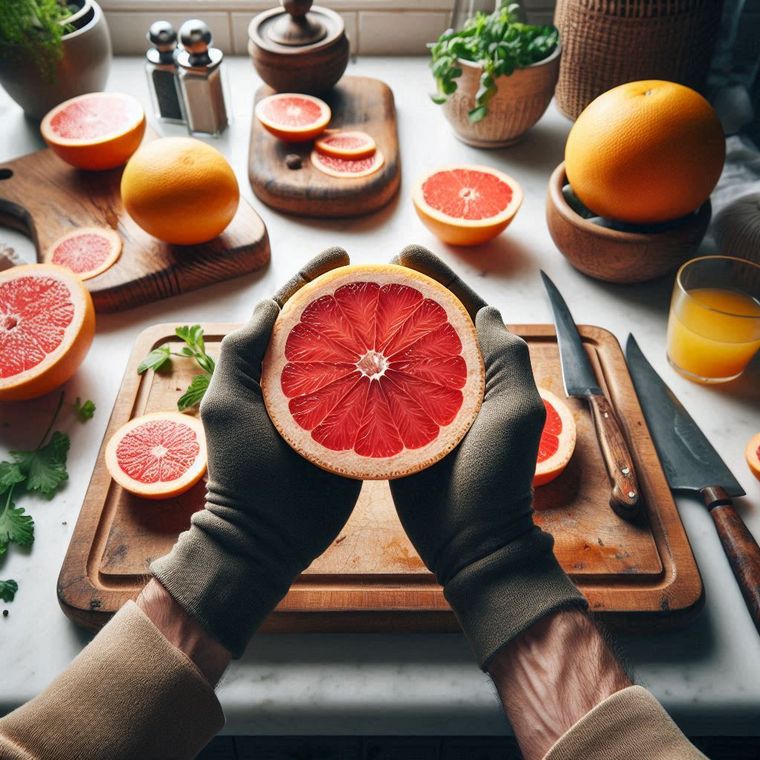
399,33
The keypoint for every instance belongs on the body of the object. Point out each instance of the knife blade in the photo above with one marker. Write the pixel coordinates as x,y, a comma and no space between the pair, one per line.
692,465
580,382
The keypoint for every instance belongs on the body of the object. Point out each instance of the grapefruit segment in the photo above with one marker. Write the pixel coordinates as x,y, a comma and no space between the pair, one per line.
87,251
158,456
346,144
47,323
349,168
467,205
752,455
373,372
557,439
293,117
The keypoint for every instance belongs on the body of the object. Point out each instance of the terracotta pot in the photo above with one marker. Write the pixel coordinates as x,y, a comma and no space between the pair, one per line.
83,68
519,102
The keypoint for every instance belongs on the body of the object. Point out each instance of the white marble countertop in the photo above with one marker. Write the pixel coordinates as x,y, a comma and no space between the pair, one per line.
708,675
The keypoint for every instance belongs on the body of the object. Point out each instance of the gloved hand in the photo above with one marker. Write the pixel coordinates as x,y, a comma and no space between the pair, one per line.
269,512
469,515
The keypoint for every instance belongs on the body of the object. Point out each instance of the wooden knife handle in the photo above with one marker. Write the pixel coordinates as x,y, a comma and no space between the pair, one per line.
740,546
625,498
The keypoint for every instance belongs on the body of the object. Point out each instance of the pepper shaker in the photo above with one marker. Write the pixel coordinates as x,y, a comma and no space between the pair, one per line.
161,68
199,75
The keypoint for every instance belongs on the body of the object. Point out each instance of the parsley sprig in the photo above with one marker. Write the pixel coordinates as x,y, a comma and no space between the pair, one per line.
499,42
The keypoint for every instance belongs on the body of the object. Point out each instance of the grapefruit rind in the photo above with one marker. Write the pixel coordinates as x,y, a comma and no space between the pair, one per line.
60,364
319,163
347,462
293,134
113,237
466,232
752,455
365,149
161,489
555,465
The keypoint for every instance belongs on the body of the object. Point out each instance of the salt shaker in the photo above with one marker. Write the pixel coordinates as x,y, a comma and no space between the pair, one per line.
199,75
161,68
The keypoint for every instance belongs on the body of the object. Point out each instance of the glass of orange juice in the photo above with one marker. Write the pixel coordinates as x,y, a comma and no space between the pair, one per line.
714,322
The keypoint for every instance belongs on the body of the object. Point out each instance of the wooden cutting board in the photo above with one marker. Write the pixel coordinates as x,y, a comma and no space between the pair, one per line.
371,578
357,103
45,198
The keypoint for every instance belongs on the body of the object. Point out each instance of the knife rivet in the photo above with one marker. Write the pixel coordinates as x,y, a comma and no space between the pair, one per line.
625,471
606,415
631,494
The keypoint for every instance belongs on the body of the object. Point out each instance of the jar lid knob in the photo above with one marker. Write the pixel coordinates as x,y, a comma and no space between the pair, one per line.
297,27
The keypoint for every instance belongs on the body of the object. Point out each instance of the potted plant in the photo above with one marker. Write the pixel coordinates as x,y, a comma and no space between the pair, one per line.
52,50
495,77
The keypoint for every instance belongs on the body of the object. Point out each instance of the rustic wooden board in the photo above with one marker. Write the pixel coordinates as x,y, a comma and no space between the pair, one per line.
371,578
44,197
357,103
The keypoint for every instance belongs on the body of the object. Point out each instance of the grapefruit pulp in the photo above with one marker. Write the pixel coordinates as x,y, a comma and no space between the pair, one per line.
100,130
346,144
347,167
557,439
159,455
752,455
466,205
47,323
87,251
373,372
293,117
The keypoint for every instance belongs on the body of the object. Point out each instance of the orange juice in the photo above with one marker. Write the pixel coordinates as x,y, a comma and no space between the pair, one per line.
713,332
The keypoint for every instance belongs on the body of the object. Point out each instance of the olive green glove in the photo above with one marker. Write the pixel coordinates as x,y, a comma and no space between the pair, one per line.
469,516
269,512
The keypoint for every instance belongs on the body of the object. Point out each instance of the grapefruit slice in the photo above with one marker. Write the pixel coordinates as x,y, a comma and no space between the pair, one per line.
347,167
87,251
373,372
752,455
346,144
100,130
293,117
557,439
47,323
159,455
467,205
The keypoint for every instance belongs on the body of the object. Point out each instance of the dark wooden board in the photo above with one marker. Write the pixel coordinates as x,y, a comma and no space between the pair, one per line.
357,103
371,578
44,197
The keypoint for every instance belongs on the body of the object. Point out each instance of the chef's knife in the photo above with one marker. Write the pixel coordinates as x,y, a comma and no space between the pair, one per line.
692,465
579,381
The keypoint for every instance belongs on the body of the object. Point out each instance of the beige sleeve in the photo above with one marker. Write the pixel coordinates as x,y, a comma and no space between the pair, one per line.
629,725
129,694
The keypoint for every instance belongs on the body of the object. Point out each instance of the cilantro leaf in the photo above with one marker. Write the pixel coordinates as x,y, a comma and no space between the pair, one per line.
45,468
194,393
155,360
15,527
10,475
84,411
8,590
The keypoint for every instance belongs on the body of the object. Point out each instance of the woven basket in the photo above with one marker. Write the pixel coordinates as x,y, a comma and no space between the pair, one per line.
608,42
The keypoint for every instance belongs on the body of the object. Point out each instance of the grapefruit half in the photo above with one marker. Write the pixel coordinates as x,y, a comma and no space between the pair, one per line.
47,323
752,455
373,372
87,251
100,130
159,455
557,439
346,144
467,205
347,167
293,117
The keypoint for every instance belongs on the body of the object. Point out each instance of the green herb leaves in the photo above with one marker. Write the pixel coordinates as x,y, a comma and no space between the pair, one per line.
45,468
16,527
498,42
83,410
156,360
194,393
8,590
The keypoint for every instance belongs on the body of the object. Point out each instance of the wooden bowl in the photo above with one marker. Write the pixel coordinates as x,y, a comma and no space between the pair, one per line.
615,255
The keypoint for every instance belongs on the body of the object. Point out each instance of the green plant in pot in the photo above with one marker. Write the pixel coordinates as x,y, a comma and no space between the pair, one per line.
52,50
495,77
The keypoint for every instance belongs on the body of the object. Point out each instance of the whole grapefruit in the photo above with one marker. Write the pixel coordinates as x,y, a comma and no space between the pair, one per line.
645,152
180,190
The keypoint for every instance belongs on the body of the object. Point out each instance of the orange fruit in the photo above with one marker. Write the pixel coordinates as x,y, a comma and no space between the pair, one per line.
373,372
645,152
293,117
87,251
335,166
557,439
159,455
180,190
466,205
346,144
47,323
100,130
752,455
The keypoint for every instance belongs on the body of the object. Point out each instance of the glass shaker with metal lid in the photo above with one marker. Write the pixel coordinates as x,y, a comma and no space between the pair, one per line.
161,68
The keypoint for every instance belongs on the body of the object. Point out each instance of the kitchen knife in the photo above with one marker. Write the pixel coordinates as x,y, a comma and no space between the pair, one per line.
692,465
580,382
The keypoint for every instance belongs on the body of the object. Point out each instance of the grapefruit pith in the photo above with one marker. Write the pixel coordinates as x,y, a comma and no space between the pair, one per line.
47,323
752,455
557,439
373,372
87,251
467,205
346,144
293,117
100,130
347,167
159,455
